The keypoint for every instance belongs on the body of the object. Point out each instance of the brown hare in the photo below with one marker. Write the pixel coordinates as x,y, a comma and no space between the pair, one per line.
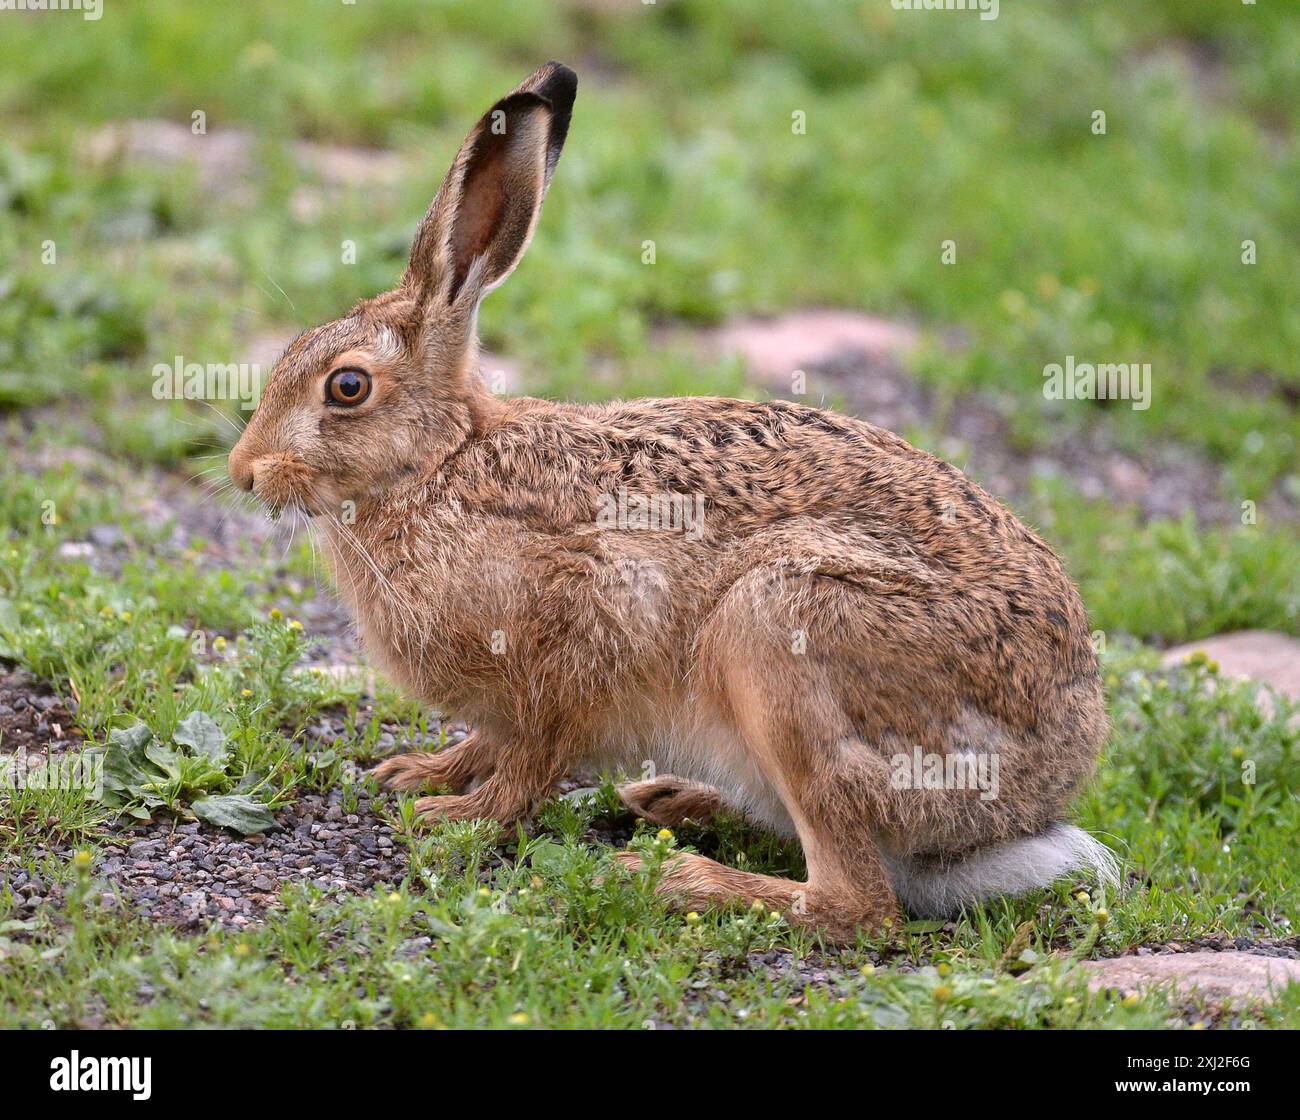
795,614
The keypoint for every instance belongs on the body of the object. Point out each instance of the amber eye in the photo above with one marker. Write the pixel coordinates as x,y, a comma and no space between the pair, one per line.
347,386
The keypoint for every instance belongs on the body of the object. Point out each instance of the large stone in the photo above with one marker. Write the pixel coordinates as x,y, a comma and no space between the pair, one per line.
1258,655
1237,979
774,348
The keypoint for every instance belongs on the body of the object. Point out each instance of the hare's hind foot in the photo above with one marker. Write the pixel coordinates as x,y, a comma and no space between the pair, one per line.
694,882
668,800
455,766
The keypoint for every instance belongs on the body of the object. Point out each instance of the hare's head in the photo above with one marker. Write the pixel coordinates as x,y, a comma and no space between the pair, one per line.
355,406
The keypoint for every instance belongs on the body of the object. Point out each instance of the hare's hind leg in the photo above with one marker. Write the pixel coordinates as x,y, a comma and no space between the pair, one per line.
669,800
803,744
782,698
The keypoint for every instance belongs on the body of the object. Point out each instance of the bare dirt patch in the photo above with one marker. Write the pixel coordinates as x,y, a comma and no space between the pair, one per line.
33,718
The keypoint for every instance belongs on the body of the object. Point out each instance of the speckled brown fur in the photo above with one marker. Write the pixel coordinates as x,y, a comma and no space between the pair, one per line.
847,597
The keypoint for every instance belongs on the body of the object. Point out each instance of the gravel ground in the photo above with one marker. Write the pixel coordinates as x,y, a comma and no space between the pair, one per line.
189,875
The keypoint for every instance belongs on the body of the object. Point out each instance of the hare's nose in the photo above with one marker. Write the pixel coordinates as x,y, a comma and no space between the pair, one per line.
241,471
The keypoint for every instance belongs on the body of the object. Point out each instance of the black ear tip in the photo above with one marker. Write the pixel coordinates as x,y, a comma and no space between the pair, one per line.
559,85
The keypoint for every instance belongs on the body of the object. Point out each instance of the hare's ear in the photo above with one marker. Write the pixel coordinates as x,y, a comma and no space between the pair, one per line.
484,214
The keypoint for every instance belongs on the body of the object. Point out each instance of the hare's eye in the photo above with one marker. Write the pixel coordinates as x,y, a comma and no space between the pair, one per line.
347,386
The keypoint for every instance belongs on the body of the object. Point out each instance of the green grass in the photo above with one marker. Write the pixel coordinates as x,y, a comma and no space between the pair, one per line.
920,128
1169,581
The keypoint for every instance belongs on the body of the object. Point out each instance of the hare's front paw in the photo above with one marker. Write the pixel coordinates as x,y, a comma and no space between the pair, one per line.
407,771
497,799
671,801
455,766
455,807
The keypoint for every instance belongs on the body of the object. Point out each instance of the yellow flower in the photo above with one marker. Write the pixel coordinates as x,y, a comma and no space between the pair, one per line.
1131,1000
219,644
242,949
1082,896
125,616
757,905
258,55
275,614
943,968
692,918
294,624
1237,752
868,970
664,834
394,897
942,994
483,892
428,1021
246,693
1102,915
82,858
520,1019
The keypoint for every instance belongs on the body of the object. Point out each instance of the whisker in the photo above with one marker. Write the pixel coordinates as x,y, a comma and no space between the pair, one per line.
404,611
279,289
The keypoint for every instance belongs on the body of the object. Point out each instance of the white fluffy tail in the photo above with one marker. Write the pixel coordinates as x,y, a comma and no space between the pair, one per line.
939,890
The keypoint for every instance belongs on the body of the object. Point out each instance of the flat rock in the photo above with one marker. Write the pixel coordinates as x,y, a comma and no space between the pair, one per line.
774,348
1225,978
1258,655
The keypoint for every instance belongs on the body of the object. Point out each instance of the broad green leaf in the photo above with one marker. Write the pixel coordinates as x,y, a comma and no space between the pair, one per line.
546,855
166,759
201,733
125,762
235,811
927,926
